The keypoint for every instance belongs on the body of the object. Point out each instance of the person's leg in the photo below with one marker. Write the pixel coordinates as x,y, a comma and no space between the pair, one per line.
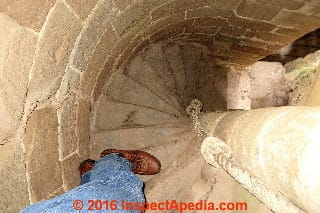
110,179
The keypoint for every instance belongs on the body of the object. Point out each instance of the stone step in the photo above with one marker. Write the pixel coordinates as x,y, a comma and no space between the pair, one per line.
173,56
127,115
155,57
191,58
142,72
175,182
167,152
134,138
125,90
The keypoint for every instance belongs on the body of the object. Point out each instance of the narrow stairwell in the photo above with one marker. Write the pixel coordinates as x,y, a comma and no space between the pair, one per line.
143,106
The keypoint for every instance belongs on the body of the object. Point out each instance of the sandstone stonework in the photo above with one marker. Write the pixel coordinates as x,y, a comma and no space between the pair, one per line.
16,42
31,14
82,7
42,154
54,48
67,127
83,128
70,172
14,186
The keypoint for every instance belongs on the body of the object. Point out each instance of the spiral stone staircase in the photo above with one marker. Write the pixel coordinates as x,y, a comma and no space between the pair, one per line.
143,106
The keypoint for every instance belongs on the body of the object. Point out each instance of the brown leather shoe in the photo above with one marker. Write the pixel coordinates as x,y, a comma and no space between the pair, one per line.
86,166
142,162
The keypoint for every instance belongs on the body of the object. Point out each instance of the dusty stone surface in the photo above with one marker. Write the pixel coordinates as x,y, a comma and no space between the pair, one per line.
69,83
42,156
126,94
122,4
239,90
52,53
129,17
91,35
99,60
270,87
83,7
127,116
70,172
173,57
142,72
67,116
14,188
17,43
285,18
31,14
133,138
102,78
83,128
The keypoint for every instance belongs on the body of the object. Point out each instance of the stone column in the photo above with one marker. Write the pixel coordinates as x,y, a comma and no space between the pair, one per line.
279,146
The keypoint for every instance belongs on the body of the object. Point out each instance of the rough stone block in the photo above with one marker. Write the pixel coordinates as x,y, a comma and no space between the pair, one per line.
127,52
97,61
201,29
258,10
297,20
28,13
269,85
16,55
41,154
270,37
127,37
70,172
52,53
156,25
129,17
236,21
293,33
90,36
133,49
122,4
14,188
70,82
102,78
82,7
181,5
239,89
67,128
205,39
251,50
210,21
168,9
287,4
83,128
168,31
208,12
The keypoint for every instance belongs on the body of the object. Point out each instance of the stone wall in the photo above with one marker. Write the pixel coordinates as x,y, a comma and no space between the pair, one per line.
55,57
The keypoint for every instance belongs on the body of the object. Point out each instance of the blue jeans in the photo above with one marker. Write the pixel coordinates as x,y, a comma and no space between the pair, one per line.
110,184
